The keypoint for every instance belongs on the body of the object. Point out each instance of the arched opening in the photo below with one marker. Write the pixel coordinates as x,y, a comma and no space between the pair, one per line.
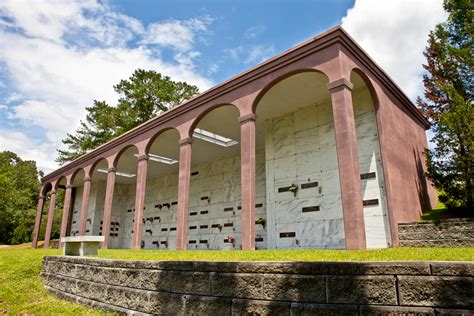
123,204
58,211
46,193
377,227
214,198
161,196
296,131
95,212
77,181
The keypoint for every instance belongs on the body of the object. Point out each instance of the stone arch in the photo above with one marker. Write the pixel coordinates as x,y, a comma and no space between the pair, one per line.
365,102
154,137
46,188
203,114
277,80
368,84
120,152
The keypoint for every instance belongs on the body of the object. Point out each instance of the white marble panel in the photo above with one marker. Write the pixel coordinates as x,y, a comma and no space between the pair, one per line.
375,231
330,182
327,136
306,163
285,168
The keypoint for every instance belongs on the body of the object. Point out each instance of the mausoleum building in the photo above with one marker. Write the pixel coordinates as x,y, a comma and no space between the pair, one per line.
314,148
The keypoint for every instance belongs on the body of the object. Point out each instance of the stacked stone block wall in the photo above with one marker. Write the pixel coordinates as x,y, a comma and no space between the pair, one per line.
263,288
440,233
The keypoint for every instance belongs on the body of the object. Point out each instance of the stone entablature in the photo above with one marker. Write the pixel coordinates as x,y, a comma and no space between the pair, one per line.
264,288
456,232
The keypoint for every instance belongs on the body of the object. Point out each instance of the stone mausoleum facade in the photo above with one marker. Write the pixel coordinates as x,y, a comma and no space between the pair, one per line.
314,148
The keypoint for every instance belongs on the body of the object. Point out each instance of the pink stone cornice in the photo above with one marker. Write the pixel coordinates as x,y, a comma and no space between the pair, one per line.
335,38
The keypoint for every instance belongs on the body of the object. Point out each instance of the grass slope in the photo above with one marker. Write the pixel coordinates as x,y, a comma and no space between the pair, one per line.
391,254
21,289
22,292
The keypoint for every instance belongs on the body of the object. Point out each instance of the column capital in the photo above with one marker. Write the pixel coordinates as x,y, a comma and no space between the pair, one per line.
340,83
111,169
53,191
87,179
247,118
41,197
185,141
69,186
141,157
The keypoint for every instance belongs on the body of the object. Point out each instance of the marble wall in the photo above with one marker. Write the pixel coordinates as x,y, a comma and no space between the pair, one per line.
300,150
377,228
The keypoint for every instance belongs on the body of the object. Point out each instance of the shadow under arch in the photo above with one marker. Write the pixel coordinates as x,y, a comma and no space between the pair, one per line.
46,188
204,113
76,173
120,153
152,140
281,78
368,84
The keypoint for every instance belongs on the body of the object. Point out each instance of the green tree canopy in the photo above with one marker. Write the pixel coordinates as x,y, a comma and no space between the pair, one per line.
448,104
19,187
141,97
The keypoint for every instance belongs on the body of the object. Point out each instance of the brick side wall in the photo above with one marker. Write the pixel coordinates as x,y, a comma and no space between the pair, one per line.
263,288
442,233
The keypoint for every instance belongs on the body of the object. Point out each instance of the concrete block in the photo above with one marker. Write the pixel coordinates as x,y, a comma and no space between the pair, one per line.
395,310
240,285
306,309
253,307
204,305
298,288
378,290
190,282
436,291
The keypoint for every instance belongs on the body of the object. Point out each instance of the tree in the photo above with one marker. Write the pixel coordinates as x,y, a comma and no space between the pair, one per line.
448,104
141,97
19,187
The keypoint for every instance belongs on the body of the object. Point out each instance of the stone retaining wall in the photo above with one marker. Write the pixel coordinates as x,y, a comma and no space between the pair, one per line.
441,233
263,288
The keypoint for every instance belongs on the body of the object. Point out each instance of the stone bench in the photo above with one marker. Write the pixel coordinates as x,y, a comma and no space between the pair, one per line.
81,245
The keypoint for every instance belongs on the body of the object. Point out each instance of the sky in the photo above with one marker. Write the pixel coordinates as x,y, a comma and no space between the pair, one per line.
57,56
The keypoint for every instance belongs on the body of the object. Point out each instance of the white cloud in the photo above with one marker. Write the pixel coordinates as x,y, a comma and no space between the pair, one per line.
61,55
254,31
394,34
179,35
13,97
251,54
18,142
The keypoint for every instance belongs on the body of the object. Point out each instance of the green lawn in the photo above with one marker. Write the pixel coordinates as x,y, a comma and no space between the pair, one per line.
21,289
391,254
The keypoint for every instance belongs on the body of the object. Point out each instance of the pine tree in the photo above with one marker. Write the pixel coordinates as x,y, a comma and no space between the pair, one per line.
141,97
448,104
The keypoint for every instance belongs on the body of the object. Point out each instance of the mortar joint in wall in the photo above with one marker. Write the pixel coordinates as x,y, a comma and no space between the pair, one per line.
397,290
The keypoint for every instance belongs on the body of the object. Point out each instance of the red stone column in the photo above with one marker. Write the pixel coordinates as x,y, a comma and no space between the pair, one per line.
139,201
49,224
39,214
185,150
84,206
109,196
348,160
248,182
66,210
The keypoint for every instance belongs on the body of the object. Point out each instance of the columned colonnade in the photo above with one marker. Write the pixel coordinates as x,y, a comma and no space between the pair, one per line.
331,54
349,174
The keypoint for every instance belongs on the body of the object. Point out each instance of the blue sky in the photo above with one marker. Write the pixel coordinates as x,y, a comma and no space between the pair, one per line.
57,56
